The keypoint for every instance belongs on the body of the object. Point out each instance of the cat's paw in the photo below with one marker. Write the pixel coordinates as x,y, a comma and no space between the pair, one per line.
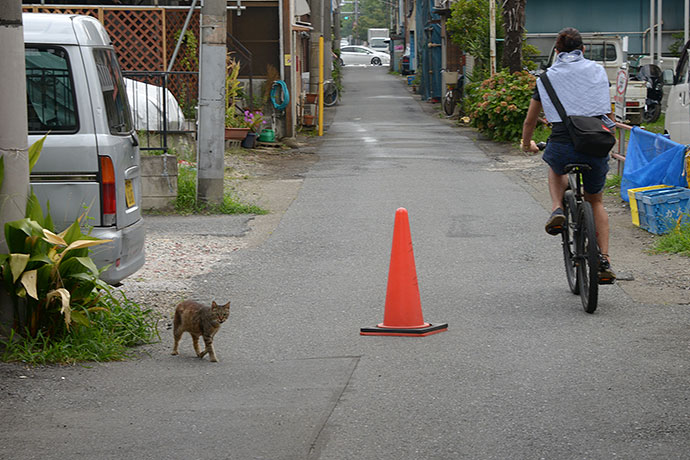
214,360
174,353
202,354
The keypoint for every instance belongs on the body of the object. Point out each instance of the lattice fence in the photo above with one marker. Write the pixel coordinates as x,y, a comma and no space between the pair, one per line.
145,39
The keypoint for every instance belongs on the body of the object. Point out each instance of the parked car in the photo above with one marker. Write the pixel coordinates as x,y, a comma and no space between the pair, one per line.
352,55
90,158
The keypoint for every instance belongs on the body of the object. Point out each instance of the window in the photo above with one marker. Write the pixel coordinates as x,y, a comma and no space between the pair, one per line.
113,89
50,102
595,52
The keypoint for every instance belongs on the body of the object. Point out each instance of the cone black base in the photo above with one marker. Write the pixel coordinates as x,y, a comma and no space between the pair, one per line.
414,332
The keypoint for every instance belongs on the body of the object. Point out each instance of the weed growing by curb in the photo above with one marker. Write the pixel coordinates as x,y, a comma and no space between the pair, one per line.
676,242
186,202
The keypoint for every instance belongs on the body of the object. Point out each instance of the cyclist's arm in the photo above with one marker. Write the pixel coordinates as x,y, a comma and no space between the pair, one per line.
530,123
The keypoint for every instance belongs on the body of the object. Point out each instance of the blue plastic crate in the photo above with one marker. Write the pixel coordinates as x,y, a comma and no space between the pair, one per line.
660,209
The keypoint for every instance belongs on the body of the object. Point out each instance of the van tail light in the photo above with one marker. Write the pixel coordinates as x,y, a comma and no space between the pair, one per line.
108,202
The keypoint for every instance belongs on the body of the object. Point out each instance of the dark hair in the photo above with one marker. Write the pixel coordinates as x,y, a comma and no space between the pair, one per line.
569,39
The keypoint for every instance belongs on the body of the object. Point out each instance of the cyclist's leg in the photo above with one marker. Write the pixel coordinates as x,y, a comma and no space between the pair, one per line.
594,181
558,183
601,220
557,156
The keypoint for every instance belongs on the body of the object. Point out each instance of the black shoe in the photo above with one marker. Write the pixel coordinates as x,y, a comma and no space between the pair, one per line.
606,274
554,226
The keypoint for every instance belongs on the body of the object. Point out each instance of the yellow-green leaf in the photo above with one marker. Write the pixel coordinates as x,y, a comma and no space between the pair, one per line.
85,244
52,238
35,151
29,282
65,297
18,264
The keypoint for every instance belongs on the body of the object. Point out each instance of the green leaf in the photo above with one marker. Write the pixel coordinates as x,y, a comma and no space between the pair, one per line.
33,208
35,152
74,265
18,231
73,232
48,221
80,318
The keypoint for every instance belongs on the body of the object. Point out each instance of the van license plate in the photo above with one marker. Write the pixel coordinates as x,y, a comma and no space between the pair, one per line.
129,193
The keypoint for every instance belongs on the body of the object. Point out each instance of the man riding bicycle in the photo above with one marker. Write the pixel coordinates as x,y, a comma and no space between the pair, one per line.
583,89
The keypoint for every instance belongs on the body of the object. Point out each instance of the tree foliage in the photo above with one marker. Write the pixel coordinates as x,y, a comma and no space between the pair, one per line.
468,27
372,14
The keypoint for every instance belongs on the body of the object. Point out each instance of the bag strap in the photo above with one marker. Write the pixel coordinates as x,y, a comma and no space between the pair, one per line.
554,98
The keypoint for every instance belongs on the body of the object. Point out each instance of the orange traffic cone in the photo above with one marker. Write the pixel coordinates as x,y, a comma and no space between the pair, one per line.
403,311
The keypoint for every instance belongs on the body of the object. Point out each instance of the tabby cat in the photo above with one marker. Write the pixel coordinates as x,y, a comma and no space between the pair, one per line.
199,321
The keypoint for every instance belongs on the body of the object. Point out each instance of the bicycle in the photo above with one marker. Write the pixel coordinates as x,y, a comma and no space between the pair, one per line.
330,93
581,253
453,95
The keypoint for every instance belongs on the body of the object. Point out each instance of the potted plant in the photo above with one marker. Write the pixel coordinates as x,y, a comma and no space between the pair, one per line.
255,121
235,126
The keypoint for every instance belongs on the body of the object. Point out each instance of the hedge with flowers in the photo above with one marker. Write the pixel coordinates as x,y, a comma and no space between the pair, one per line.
498,105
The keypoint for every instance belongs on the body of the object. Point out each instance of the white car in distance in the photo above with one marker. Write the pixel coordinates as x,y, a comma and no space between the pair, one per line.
362,55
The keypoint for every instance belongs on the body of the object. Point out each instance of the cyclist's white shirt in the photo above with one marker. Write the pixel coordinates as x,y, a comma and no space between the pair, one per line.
581,85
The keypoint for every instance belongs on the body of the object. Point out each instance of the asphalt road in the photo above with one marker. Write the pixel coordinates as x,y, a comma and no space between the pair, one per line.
521,373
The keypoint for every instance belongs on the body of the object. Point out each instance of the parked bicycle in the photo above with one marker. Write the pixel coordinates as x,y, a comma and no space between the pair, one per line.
581,252
330,93
453,95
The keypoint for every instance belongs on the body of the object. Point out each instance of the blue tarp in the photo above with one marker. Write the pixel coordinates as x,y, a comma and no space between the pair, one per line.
652,159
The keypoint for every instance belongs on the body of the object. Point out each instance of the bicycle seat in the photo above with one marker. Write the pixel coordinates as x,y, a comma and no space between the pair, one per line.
576,167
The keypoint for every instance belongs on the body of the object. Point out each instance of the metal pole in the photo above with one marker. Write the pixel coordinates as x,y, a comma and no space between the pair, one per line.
181,37
659,30
685,21
321,85
492,35
212,63
652,49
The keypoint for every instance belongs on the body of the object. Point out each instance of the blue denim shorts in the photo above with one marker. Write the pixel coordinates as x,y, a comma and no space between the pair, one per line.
558,155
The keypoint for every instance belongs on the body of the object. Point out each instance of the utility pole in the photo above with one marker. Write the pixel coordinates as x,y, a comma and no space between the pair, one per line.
492,36
14,148
317,12
212,70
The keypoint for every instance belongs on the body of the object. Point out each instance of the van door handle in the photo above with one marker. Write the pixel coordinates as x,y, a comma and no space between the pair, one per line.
135,140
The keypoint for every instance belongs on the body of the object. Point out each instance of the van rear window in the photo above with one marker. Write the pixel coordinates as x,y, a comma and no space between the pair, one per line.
600,52
50,99
114,93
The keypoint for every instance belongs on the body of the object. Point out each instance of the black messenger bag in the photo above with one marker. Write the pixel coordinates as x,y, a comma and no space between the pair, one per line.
589,134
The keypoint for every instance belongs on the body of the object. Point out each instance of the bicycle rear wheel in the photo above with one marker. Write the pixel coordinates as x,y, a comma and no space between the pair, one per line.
588,258
568,235
449,103
330,94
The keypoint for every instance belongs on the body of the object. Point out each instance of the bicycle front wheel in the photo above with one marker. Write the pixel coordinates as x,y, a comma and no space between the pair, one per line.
449,103
588,258
568,235
330,94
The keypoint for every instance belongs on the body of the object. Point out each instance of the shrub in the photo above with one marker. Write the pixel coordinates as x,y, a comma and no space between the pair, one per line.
498,105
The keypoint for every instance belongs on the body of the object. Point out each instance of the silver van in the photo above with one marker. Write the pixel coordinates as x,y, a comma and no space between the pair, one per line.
90,159
677,122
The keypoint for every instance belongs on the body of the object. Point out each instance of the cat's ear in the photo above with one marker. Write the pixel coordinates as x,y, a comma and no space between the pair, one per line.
214,304
227,305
